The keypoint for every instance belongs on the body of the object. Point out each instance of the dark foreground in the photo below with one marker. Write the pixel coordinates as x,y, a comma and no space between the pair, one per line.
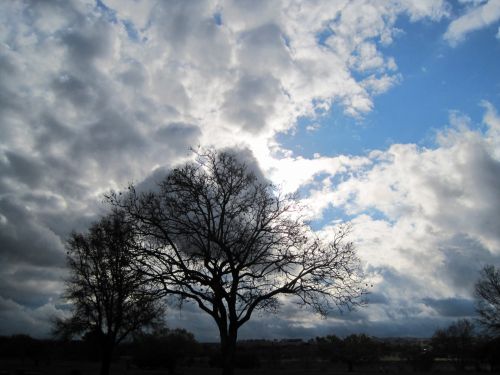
176,352
17,367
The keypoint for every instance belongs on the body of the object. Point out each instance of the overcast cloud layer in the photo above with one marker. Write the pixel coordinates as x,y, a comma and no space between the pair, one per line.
96,95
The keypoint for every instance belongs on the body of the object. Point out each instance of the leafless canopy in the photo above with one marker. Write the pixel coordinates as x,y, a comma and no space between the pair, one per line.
487,290
213,233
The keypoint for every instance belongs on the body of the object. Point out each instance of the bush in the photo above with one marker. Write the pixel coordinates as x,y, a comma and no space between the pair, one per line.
420,360
164,348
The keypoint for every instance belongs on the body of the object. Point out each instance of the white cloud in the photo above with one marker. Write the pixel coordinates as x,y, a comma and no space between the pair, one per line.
425,219
481,15
435,184
379,85
313,127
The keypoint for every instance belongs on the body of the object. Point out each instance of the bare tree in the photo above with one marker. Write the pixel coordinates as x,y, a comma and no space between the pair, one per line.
455,342
487,291
216,235
110,298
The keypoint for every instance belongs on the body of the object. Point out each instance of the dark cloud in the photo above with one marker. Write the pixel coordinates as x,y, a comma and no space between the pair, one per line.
452,307
263,49
90,40
31,286
109,134
402,281
485,176
51,10
479,172
134,76
192,35
251,101
9,98
51,132
7,67
178,20
464,258
152,182
177,138
245,156
76,90
412,326
9,101
25,168
377,298
44,201
16,318
24,240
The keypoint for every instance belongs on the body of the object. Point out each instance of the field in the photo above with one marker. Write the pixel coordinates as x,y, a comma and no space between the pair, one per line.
18,367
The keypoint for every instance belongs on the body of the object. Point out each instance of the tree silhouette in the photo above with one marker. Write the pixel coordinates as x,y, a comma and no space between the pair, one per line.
455,342
358,349
110,298
164,347
215,234
487,290
330,347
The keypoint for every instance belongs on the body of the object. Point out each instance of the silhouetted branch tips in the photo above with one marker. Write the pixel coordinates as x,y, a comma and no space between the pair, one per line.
487,292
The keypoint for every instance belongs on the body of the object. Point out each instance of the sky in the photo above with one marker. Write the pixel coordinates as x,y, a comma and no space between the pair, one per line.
381,113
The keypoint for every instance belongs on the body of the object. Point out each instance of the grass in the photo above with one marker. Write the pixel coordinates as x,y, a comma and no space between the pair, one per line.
19,367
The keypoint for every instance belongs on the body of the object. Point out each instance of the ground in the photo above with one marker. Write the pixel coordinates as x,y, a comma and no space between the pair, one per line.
18,367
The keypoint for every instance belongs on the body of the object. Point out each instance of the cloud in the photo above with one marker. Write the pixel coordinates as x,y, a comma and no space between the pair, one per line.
32,286
36,322
452,307
25,240
251,102
425,219
96,95
313,127
176,138
480,15
433,185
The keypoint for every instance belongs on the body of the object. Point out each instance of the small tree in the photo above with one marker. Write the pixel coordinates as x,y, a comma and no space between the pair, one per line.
110,298
359,349
216,235
487,291
455,342
330,347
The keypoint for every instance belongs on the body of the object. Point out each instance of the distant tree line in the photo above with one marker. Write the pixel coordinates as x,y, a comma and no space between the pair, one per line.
454,348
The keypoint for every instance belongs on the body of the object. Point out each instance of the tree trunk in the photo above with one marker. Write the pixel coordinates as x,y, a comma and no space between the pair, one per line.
105,364
107,355
228,350
350,367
